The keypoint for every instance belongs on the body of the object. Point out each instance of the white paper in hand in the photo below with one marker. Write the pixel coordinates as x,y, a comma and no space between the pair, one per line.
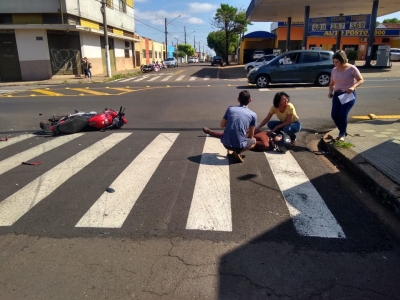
346,98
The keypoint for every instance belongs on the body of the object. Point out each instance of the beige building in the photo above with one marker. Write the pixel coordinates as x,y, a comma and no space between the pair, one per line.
39,39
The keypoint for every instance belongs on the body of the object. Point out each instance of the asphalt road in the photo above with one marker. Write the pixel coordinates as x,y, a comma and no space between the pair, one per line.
182,221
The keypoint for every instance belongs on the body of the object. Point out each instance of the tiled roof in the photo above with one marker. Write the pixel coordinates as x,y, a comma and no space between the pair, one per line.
392,25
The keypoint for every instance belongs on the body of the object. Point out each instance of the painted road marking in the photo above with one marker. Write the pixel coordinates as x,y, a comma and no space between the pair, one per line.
211,203
310,215
207,77
19,203
49,93
192,78
264,90
154,78
180,78
122,89
16,160
15,139
126,79
111,209
166,78
140,78
89,91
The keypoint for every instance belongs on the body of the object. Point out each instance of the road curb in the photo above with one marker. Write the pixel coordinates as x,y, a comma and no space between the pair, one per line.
387,190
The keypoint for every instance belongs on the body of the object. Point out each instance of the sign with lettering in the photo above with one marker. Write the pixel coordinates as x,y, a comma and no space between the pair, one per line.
293,24
363,33
359,22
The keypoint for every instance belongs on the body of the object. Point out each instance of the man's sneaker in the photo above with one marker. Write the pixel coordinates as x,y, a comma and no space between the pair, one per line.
341,139
239,158
206,130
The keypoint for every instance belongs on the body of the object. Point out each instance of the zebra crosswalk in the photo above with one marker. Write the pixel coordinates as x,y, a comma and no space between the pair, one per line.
172,78
206,205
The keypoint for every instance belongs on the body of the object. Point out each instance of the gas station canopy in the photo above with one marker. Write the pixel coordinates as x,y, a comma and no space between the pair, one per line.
280,10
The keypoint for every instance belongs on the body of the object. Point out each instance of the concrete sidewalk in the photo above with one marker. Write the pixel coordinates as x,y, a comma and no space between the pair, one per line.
373,156
72,79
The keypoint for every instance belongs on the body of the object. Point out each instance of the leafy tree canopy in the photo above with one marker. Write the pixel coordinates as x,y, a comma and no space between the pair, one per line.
187,49
216,41
232,22
393,21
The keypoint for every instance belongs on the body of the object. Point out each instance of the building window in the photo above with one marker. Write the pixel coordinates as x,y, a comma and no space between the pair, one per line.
127,53
159,54
122,5
155,54
127,44
144,53
6,19
150,54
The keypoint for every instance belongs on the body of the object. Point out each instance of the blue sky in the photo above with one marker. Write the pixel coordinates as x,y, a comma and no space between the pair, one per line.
195,16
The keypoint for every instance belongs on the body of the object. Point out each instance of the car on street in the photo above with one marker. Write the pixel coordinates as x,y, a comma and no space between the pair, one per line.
301,66
257,54
395,54
259,62
202,59
171,62
217,60
193,59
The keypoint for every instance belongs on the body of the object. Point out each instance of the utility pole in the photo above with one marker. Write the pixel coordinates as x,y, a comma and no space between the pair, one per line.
199,47
106,46
166,41
184,29
194,42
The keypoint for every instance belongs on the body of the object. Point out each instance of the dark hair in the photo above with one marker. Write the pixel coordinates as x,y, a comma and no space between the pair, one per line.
244,97
341,56
278,97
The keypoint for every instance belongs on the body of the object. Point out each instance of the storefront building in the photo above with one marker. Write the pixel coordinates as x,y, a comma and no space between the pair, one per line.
253,41
47,38
356,40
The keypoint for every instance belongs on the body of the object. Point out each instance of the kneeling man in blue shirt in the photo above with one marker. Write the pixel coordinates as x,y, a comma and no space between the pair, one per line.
239,123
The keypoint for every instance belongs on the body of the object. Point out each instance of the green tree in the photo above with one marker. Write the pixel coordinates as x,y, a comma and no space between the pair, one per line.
232,22
180,54
187,49
216,41
393,21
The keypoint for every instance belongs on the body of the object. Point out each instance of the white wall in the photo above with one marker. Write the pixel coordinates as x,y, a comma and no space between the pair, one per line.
90,45
29,6
90,9
119,46
29,48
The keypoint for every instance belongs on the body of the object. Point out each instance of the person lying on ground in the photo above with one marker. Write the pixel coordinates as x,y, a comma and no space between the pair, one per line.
265,140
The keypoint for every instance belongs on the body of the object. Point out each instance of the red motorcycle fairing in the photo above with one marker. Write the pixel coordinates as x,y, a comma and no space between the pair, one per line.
104,119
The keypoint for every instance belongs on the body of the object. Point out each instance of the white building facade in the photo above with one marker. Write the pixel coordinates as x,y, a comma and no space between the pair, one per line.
39,39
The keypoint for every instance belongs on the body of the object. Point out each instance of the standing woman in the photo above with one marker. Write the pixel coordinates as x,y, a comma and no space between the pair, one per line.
344,79
286,113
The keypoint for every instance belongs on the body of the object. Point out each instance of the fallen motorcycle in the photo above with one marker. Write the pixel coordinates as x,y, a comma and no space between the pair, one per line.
82,121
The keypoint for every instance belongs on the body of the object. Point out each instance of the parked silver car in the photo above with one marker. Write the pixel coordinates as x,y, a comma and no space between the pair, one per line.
395,54
171,62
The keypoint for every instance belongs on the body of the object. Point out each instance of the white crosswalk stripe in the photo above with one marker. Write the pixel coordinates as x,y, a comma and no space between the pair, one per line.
16,205
6,91
173,77
14,161
111,210
309,213
209,207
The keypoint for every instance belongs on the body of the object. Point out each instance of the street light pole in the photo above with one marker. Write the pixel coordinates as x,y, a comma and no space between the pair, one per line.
106,46
166,33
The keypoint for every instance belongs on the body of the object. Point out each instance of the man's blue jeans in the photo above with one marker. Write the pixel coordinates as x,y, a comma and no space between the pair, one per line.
340,112
290,129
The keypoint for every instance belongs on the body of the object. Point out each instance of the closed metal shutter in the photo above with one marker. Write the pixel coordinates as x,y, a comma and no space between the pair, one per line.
65,53
9,61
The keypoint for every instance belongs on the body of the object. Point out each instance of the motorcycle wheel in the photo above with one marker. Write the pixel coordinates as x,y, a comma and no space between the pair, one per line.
43,124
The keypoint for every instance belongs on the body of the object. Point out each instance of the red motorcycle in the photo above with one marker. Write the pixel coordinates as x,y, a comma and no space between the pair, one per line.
80,121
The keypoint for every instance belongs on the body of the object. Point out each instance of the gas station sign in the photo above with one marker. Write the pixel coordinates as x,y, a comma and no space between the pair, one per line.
358,22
